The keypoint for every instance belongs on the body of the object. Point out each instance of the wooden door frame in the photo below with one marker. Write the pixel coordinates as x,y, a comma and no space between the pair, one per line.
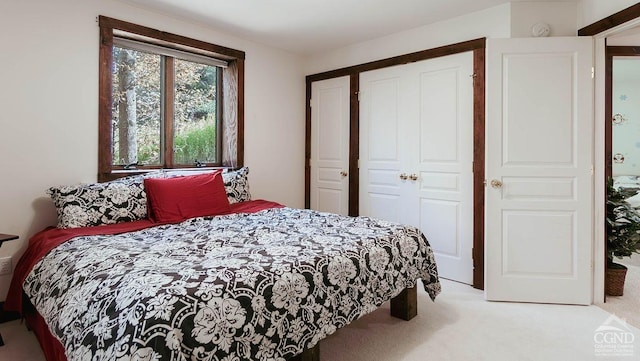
477,46
595,29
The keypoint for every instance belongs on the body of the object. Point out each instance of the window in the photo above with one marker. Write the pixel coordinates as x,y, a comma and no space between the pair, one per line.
166,101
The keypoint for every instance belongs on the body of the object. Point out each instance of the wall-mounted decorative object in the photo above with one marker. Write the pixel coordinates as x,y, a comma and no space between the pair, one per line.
540,29
618,118
618,158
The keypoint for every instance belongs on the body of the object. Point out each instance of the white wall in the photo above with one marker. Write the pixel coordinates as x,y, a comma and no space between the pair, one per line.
627,38
49,108
590,11
503,21
561,18
493,22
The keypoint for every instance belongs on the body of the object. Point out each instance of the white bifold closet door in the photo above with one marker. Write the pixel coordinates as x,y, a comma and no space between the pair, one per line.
329,188
416,154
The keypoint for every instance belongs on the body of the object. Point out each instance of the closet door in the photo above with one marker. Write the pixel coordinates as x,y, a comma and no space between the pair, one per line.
443,162
416,154
386,120
330,145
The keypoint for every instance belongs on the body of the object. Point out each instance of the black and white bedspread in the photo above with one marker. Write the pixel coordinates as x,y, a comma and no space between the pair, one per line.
261,286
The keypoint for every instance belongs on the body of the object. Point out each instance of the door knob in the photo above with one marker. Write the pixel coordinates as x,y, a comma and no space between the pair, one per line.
496,183
413,177
403,176
344,174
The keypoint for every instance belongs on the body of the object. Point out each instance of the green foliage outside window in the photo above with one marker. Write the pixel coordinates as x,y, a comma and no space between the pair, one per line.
137,110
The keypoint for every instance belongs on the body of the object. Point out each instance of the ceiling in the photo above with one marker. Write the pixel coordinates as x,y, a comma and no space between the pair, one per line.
311,26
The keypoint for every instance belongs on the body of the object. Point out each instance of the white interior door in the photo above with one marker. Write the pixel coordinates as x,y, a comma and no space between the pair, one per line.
383,123
444,163
330,145
416,154
539,200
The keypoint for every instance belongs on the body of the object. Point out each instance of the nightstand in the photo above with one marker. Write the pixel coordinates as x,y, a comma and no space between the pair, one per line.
4,238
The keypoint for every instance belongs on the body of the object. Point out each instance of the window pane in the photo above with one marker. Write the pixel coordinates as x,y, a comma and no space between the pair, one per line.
136,108
195,113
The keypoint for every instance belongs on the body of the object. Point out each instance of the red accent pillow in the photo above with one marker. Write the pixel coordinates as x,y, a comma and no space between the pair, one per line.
172,200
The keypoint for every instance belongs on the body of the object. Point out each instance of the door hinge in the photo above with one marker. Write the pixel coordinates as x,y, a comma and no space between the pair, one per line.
592,170
359,94
358,163
593,72
310,103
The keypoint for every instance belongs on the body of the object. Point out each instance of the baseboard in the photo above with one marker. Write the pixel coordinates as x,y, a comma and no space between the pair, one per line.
7,316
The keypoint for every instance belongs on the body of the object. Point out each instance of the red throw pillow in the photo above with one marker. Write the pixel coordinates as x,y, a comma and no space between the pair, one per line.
173,200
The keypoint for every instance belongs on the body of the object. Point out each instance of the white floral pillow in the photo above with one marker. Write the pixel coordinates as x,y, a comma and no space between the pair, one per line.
95,204
236,183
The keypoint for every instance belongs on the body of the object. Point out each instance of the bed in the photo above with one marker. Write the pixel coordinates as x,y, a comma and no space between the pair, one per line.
257,281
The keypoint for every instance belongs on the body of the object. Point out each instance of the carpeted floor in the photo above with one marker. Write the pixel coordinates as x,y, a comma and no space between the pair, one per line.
459,325
628,305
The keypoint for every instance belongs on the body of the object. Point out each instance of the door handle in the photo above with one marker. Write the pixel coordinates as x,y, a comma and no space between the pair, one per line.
413,177
344,174
404,176
496,183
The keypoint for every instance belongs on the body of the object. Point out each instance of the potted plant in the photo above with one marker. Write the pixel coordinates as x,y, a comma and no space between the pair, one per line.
623,236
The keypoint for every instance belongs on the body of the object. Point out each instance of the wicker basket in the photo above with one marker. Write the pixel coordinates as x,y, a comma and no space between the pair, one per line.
615,280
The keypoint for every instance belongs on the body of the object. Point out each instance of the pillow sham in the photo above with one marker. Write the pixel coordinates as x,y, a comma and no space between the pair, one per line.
95,204
176,199
236,184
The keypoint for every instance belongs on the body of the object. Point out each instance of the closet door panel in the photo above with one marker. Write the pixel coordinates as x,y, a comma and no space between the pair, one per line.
381,191
329,191
444,163
439,116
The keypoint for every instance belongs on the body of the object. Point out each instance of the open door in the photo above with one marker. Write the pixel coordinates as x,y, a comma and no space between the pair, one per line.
539,170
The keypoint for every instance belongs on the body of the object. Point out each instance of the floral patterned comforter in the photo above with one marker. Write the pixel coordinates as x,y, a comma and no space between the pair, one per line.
261,286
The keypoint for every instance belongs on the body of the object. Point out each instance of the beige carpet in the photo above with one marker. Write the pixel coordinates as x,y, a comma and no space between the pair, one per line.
628,305
460,325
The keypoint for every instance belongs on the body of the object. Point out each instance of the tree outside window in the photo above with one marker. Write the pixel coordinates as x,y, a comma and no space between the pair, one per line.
138,117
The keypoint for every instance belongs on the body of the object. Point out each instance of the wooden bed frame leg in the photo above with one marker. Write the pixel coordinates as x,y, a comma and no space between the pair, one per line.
310,354
405,305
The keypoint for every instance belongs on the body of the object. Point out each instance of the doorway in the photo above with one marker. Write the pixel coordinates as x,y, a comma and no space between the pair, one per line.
602,32
622,148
